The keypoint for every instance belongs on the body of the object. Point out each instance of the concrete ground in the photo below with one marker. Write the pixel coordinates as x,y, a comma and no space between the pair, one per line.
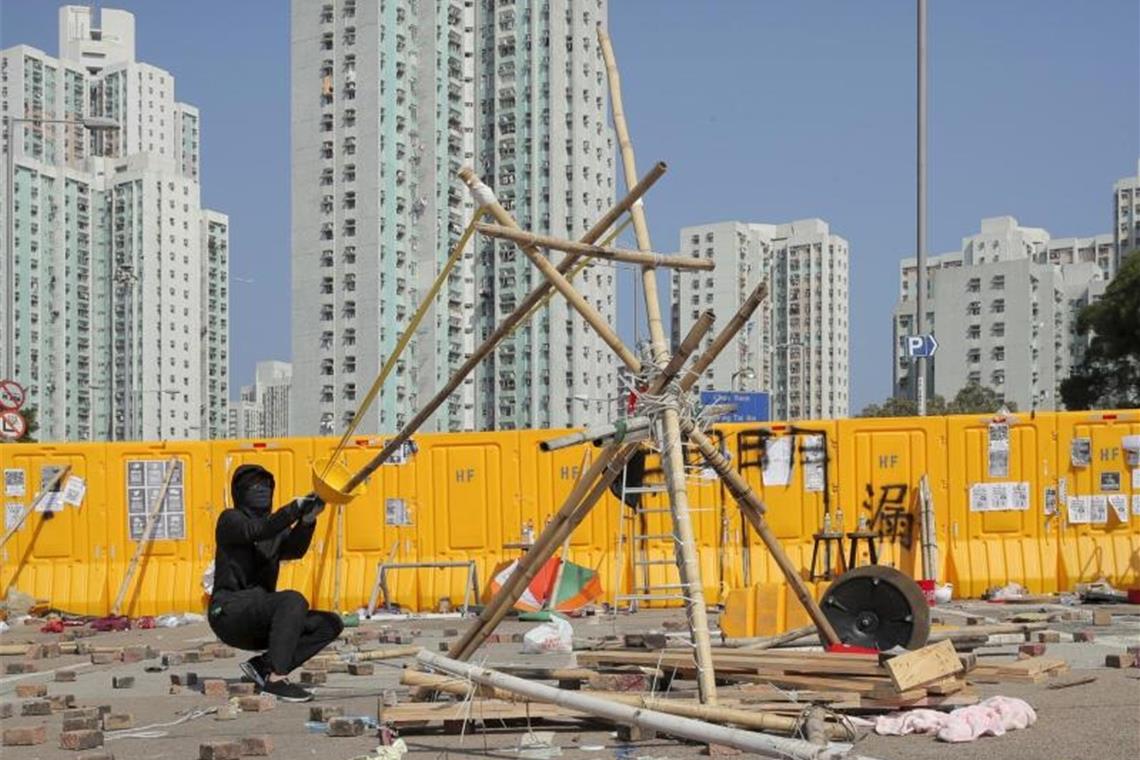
1098,721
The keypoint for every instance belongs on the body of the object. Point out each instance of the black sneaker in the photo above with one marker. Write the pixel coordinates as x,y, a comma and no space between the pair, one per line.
287,691
254,669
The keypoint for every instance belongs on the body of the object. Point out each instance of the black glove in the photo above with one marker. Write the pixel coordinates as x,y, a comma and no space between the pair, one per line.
311,507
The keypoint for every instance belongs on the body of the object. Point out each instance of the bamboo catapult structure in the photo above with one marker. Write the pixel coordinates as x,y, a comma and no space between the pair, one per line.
664,378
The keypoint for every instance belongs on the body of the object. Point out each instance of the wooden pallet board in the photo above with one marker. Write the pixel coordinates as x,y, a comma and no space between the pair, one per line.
923,666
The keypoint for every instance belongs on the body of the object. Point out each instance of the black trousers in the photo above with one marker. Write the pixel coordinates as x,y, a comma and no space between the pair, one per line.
279,623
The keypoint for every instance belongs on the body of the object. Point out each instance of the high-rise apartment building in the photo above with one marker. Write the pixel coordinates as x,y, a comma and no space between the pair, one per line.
116,314
796,344
262,410
1126,214
390,99
1003,311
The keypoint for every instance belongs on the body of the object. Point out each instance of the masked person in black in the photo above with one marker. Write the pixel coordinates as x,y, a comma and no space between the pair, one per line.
246,609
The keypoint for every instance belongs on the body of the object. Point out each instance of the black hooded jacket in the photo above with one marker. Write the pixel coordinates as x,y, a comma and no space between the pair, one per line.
252,543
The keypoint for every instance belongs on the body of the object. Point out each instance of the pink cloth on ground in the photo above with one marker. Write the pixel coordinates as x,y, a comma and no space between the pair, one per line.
993,716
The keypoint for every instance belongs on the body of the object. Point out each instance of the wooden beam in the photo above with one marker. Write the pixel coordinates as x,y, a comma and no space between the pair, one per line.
523,237
924,666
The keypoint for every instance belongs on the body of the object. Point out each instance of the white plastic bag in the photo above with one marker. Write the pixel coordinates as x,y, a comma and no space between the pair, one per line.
555,636
208,578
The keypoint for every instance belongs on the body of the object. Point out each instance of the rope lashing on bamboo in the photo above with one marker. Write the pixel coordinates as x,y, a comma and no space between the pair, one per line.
406,337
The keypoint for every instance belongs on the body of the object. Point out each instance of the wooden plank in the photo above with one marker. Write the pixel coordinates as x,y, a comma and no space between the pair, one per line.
475,710
923,666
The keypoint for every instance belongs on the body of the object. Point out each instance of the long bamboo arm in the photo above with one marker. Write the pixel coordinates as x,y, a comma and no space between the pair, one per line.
144,540
731,328
523,237
505,328
44,489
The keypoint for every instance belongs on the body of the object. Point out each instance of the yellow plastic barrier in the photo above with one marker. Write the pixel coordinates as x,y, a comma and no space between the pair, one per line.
60,554
1099,516
998,531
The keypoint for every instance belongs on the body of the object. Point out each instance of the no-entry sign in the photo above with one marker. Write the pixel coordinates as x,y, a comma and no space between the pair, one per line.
12,426
12,396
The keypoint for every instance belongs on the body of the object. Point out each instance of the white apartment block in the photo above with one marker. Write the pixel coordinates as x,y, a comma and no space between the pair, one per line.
1126,214
796,344
116,318
390,99
1003,311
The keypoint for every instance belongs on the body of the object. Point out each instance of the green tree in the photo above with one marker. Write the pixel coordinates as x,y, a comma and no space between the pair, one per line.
1109,374
977,399
29,413
901,406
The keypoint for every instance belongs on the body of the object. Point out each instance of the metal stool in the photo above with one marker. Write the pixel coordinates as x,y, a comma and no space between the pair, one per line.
827,536
862,532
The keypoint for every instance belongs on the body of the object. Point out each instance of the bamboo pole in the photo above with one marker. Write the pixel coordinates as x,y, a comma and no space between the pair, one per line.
391,653
758,721
733,326
651,718
552,600
44,490
144,539
759,643
338,558
505,328
486,197
574,509
669,436
753,509
523,237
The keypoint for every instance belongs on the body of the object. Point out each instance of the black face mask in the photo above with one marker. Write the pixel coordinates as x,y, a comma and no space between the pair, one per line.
257,497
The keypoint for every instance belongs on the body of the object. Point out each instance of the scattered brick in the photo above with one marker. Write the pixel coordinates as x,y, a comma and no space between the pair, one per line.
64,676
1118,660
170,659
215,687
221,651
105,658
62,701
175,690
635,734
338,666
219,751
259,703
118,722
242,689
36,707
360,669
192,656
1049,637
78,740
444,646
31,690
346,727
184,679
1102,617
82,712
314,677
324,713
226,712
97,756
1035,649
24,736
122,682
258,746
80,724
16,668
1084,636
5,710
450,632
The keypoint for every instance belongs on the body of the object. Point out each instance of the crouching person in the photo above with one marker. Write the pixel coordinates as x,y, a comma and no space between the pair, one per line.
246,610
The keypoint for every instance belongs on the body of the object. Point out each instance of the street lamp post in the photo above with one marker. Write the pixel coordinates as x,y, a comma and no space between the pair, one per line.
745,372
91,124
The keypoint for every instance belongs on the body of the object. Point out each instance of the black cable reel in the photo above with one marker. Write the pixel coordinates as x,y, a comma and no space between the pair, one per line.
877,607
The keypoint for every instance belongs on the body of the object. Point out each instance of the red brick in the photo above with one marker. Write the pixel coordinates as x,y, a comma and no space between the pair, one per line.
64,676
5,709
338,666
226,712
324,713
122,682
242,689
260,703
118,722
215,687
219,751
346,727
1084,636
83,712
184,679
36,707
222,652
137,653
1035,649
1102,617
1118,660
192,656
97,756
314,677
62,701
31,690
105,658
77,740
175,690
24,736
171,658
1049,637
16,668
360,669
258,746
80,724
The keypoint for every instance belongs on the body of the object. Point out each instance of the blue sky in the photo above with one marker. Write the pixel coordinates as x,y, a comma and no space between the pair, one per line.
765,111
